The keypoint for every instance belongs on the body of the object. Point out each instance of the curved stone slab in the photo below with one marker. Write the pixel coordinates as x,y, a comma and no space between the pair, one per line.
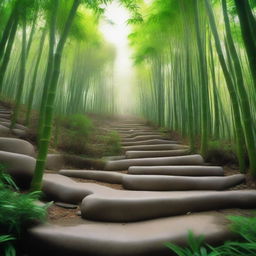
18,126
4,130
17,146
20,133
109,177
131,239
175,160
110,158
4,120
149,142
179,183
177,170
146,132
154,147
55,161
20,167
127,207
3,115
8,112
60,188
143,137
156,153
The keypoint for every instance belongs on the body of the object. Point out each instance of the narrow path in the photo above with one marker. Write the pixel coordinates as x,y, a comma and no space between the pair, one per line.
166,192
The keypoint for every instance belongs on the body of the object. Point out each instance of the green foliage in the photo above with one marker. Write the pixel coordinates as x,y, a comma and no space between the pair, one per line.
195,247
17,212
75,132
244,227
79,125
220,144
112,144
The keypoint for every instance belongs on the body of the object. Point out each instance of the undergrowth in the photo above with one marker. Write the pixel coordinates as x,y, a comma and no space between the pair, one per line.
17,212
112,143
75,131
245,245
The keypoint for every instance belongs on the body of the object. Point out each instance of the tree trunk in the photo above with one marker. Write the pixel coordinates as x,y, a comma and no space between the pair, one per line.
33,84
243,96
47,127
8,51
231,88
248,25
22,70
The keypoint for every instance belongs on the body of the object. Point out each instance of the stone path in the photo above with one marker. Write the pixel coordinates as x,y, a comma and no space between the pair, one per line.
166,192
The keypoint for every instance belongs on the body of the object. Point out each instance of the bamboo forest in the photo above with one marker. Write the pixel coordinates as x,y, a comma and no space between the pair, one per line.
128,127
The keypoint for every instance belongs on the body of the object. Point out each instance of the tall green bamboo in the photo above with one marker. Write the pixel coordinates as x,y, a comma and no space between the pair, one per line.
231,88
22,69
248,24
204,83
243,97
33,84
46,135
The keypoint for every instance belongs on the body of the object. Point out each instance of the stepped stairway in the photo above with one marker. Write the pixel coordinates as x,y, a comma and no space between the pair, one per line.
166,192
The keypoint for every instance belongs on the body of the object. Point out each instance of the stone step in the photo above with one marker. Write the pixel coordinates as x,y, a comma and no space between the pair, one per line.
148,142
134,134
17,146
63,189
6,116
177,170
156,153
180,183
154,147
145,238
104,176
18,126
138,206
151,182
175,160
19,166
143,137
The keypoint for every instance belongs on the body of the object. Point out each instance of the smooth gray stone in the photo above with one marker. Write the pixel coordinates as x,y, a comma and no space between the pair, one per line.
110,158
137,206
20,167
145,238
175,160
60,188
178,170
154,147
148,142
7,116
110,177
20,133
134,134
4,131
55,162
17,146
4,120
17,126
144,137
180,183
5,112
159,153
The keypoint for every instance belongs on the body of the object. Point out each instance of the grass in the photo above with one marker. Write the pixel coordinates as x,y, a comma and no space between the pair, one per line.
74,133
245,245
17,212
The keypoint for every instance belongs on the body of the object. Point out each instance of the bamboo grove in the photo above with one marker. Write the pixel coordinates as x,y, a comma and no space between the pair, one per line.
53,59
196,71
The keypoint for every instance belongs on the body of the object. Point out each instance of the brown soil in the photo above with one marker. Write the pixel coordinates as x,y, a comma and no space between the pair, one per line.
64,217
114,186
